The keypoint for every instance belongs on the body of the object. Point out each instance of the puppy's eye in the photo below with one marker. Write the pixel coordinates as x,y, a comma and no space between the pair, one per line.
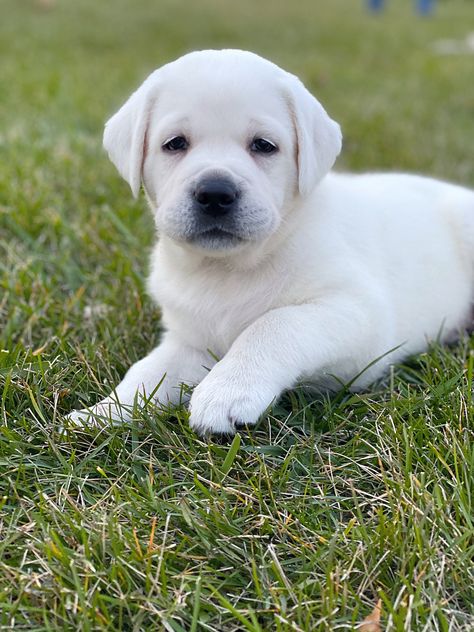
263,146
177,143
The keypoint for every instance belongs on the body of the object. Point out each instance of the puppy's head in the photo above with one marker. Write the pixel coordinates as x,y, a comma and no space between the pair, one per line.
223,141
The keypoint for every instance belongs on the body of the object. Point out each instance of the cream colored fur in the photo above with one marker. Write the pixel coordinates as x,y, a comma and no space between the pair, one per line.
333,271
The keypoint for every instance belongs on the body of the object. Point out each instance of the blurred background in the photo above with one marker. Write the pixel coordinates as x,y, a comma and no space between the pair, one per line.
73,242
403,95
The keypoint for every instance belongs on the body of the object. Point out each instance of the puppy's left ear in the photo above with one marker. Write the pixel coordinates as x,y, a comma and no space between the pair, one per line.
125,132
319,138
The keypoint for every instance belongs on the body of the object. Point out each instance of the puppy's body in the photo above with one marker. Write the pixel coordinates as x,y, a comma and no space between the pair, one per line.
310,277
397,249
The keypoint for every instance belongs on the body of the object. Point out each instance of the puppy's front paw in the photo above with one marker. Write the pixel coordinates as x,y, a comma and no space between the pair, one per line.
104,413
221,403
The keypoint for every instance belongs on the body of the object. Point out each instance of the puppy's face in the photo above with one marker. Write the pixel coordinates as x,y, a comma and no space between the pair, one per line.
221,140
220,160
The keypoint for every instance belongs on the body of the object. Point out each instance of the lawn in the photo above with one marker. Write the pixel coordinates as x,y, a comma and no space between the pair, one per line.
333,502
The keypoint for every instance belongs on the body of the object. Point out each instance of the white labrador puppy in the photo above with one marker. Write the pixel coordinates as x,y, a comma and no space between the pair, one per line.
282,271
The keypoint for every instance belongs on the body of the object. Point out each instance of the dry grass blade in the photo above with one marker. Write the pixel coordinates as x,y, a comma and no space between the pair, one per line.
371,623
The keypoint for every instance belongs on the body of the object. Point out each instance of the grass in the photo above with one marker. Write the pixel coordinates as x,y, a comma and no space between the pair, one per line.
333,502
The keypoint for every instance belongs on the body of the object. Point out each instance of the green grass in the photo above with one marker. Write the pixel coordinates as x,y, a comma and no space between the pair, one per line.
332,502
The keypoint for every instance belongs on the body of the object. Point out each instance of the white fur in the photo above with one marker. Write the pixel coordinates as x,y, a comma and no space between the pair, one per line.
334,272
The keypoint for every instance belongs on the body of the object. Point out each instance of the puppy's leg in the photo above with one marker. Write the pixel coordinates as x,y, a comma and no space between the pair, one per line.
282,346
158,376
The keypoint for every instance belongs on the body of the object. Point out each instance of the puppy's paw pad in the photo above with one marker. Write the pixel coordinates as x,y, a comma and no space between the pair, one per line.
224,411
102,414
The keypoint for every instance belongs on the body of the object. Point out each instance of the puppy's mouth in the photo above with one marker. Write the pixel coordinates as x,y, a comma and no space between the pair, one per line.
216,237
218,233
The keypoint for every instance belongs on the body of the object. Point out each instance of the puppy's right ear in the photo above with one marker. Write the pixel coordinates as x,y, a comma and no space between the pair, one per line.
125,132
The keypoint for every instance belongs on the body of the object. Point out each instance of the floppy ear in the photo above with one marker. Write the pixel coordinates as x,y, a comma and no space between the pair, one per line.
125,132
318,137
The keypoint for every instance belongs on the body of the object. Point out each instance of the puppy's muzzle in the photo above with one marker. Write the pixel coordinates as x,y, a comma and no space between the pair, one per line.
216,197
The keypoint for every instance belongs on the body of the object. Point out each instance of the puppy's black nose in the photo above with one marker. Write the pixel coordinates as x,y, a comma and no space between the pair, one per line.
216,197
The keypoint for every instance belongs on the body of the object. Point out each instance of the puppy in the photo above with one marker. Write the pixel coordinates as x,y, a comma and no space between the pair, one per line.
270,270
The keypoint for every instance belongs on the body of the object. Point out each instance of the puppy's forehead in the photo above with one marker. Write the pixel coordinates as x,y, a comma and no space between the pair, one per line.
224,66
221,87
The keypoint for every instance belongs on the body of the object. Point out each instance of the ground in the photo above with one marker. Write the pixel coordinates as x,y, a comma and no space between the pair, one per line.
333,502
